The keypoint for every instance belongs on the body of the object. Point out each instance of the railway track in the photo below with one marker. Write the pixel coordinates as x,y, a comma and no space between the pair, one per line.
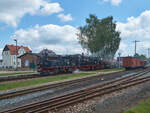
17,77
30,76
81,95
51,86
23,77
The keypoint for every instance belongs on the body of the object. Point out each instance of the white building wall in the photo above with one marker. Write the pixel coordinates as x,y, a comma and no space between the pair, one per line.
13,61
1,64
21,51
19,62
10,60
6,59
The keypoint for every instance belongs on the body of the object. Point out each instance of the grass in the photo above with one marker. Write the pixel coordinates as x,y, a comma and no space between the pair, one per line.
143,107
15,73
26,83
110,70
19,84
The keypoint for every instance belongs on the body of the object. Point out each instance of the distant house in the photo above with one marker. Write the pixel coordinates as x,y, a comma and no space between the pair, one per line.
9,55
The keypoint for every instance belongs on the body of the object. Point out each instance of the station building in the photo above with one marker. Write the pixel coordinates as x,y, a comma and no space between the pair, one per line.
10,55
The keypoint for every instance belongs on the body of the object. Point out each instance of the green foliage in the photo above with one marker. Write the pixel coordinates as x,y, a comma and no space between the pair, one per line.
100,37
144,107
136,55
131,112
142,57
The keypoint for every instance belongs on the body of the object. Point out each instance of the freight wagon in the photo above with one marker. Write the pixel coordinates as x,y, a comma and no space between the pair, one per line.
132,63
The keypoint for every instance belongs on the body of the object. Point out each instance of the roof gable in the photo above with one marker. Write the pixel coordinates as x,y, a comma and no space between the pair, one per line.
6,48
12,49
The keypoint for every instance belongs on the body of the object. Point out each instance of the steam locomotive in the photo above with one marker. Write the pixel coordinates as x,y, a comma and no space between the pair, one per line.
50,63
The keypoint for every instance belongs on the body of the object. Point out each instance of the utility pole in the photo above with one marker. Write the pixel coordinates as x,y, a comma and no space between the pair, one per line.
148,52
16,55
135,45
119,59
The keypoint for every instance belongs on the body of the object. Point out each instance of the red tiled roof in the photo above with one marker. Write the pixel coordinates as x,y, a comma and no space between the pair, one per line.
12,49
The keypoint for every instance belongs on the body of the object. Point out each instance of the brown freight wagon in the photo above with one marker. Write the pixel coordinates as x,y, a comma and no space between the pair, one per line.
132,63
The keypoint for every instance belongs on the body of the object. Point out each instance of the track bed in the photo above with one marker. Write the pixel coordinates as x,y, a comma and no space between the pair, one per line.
58,91
87,93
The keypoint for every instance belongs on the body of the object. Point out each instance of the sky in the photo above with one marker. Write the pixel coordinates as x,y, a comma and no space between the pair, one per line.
53,24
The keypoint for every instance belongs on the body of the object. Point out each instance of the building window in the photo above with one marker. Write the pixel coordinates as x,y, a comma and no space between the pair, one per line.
26,63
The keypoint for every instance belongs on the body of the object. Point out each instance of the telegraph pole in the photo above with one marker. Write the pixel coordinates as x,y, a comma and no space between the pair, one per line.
148,52
135,45
119,59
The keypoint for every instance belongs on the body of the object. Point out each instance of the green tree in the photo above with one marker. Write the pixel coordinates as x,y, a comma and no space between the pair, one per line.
137,55
142,57
99,37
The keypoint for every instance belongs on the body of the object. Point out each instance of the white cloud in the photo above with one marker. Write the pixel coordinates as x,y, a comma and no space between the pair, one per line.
122,46
106,0
114,2
11,11
61,39
65,18
125,49
136,28
50,8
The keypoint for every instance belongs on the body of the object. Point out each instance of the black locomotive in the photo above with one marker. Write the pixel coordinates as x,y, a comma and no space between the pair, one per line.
53,64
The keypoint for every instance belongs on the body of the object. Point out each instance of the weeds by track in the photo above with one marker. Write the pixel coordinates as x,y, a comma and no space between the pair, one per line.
87,93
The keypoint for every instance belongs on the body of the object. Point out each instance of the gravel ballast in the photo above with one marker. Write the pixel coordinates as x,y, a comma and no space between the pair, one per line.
116,102
10,103
29,98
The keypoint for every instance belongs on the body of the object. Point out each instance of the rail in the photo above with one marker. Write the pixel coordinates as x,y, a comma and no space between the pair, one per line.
84,94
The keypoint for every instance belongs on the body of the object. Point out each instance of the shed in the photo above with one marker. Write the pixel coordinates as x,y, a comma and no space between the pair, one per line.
29,61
